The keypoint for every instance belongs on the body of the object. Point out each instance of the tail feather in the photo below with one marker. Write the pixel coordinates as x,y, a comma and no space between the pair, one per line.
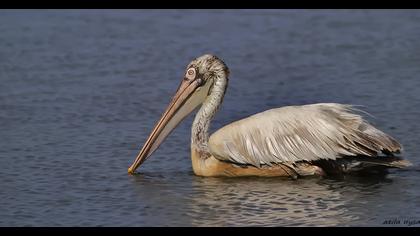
387,161
360,163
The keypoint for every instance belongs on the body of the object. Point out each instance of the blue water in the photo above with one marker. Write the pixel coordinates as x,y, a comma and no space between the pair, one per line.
81,89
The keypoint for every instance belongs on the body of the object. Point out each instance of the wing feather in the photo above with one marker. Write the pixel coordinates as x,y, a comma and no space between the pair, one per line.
300,133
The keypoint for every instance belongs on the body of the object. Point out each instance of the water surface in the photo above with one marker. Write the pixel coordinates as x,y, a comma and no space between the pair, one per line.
81,89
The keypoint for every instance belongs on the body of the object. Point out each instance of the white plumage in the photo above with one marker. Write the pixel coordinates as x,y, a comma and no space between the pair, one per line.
300,133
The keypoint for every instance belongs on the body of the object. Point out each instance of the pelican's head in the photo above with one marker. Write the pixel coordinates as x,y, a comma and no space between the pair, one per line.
195,86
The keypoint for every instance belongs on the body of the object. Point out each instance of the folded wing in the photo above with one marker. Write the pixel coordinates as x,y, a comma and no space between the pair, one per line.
300,133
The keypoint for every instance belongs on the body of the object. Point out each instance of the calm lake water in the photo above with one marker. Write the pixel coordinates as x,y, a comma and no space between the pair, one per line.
81,89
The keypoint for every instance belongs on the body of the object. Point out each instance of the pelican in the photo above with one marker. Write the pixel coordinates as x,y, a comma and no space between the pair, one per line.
294,141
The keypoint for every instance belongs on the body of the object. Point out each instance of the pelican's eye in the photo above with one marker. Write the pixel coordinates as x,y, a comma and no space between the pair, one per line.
190,75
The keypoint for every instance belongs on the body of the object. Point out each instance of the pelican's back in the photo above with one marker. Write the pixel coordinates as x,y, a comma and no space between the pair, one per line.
309,133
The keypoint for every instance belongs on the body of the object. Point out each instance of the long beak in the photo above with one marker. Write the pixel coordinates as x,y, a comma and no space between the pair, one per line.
183,103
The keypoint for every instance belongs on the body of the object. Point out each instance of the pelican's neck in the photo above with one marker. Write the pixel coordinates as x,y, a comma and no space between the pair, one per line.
201,124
